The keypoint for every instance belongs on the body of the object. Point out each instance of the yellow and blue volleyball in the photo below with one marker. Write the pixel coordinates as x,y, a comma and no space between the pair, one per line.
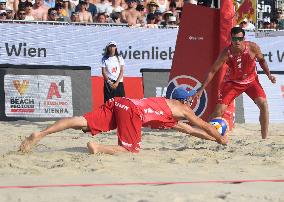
220,124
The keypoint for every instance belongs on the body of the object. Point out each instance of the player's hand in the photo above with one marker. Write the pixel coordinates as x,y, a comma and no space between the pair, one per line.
223,140
114,86
272,78
197,94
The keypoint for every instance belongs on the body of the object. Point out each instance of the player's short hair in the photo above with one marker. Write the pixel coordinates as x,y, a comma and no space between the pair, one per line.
236,30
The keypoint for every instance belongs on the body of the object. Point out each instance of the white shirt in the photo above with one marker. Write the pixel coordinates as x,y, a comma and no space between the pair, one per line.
113,66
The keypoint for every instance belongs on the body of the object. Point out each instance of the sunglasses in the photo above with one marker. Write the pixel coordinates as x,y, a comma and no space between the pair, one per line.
235,38
3,14
22,13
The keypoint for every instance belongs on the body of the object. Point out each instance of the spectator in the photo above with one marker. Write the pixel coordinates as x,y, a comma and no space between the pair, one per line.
274,24
159,17
179,3
10,14
131,16
172,20
206,3
2,4
101,18
67,7
20,4
28,11
141,9
40,11
104,7
247,25
112,71
84,15
75,17
3,15
173,9
60,10
280,18
152,6
163,5
89,7
116,18
167,14
21,14
151,21
266,25
50,3
116,6
52,14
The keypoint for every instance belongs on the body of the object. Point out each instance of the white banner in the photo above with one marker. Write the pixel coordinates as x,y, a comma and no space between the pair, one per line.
38,96
272,49
72,45
275,98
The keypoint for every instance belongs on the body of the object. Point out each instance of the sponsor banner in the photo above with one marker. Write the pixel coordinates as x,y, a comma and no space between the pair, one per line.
38,96
43,44
272,49
275,98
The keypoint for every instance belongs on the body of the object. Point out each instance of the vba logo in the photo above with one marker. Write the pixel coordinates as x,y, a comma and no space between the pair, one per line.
190,83
21,86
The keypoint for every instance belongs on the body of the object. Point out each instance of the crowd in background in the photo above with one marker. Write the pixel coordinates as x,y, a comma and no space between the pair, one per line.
137,13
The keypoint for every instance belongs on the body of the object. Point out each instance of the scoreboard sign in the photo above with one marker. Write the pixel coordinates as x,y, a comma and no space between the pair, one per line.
38,96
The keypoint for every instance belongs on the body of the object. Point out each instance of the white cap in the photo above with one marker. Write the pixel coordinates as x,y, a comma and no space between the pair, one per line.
2,11
172,19
111,43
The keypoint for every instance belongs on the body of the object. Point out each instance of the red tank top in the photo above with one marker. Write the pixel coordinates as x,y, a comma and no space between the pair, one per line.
241,67
155,113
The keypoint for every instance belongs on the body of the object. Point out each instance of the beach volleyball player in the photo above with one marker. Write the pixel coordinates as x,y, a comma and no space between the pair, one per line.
241,76
128,116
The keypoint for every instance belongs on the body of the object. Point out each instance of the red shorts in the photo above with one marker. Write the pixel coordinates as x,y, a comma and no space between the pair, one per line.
129,124
101,119
230,90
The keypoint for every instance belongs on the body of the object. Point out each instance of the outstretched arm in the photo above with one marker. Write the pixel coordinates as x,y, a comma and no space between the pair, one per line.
197,132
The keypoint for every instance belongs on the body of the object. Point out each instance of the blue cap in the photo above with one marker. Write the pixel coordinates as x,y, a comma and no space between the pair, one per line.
182,94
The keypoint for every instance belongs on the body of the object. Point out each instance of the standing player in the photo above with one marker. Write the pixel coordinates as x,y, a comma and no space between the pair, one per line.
128,116
241,76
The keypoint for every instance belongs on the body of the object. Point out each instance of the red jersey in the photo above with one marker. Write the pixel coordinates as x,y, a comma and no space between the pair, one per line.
241,67
155,113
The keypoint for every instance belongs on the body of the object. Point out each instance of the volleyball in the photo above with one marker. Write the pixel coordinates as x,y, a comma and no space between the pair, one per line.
220,124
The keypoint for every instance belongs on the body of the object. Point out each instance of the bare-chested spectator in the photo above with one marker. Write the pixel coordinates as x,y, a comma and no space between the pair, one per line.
117,6
131,16
141,9
29,10
84,15
10,4
89,7
40,10
152,6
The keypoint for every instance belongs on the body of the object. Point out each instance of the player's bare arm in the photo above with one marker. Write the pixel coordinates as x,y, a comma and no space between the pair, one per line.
261,60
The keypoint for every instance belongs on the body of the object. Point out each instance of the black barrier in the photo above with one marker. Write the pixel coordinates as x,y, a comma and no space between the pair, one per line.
155,82
80,84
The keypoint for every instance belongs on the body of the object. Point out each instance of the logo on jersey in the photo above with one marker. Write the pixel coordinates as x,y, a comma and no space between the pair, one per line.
189,83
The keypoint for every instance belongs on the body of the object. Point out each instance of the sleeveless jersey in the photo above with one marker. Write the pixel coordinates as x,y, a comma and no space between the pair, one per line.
155,113
241,67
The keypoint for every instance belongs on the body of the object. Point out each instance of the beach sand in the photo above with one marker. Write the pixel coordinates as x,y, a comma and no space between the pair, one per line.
167,156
